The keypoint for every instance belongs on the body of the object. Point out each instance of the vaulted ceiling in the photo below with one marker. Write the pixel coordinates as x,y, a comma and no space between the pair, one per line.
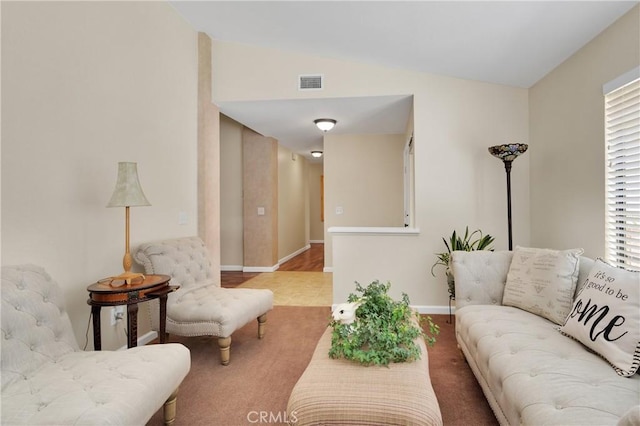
514,43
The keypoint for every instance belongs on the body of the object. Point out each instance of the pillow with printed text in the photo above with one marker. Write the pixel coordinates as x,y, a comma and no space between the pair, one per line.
605,316
542,281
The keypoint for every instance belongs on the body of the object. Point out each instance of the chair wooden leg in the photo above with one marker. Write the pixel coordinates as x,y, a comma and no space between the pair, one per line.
224,343
262,319
169,408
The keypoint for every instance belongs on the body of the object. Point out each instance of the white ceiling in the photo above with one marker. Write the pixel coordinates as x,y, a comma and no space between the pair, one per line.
514,43
291,121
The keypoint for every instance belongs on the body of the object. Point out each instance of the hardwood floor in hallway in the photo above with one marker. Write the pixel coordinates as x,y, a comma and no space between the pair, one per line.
311,260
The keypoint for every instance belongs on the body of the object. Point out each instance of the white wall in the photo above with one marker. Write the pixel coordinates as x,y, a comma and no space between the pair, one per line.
84,86
457,182
567,140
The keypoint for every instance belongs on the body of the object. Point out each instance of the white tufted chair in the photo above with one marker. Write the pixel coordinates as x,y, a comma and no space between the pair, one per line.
201,307
47,379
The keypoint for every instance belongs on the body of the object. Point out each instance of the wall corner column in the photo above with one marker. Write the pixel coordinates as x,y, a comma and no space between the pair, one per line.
208,157
260,201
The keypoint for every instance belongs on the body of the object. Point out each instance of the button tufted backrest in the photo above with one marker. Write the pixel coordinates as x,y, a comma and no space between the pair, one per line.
480,276
35,324
186,260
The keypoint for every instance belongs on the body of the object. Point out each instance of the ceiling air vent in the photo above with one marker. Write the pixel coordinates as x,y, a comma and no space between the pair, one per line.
310,82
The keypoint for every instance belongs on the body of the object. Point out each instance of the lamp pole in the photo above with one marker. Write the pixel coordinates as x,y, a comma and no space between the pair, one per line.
507,168
507,153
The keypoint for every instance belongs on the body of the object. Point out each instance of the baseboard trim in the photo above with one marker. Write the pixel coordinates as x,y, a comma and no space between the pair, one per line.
327,269
424,309
436,310
143,340
260,268
294,254
316,242
231,268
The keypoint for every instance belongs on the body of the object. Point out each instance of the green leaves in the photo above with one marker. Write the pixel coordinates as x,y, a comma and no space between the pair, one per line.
466,243
385,330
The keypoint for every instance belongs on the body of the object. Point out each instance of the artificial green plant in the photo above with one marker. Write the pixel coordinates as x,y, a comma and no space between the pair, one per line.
384,331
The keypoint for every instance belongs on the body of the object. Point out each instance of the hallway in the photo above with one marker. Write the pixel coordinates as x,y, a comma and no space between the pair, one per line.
311,260
298,282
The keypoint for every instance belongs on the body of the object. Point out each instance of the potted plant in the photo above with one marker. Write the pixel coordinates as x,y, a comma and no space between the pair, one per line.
470,242
374,329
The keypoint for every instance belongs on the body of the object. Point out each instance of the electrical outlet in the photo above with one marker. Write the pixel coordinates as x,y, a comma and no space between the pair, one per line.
117,314
183,218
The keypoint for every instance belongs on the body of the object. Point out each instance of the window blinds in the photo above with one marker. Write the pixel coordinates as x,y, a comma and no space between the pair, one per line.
622,128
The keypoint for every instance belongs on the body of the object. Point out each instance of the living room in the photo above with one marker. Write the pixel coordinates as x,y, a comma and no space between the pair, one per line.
89,84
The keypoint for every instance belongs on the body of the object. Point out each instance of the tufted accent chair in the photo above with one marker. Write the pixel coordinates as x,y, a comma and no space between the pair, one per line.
47,379
201,307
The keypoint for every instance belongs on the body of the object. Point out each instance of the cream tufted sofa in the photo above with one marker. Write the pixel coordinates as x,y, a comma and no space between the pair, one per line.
201,307
47,379
530,373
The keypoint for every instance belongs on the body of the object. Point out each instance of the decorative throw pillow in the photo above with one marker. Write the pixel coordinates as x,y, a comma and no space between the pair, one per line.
605,316
542,281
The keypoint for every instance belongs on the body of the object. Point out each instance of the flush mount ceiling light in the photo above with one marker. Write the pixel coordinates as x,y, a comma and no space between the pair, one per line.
316,154
325,124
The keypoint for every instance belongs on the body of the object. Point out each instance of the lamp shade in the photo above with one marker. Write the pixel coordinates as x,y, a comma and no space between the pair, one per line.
325,124
508,151
128,191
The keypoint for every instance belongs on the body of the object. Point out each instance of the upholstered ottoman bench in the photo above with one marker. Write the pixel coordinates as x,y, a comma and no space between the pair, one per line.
341,392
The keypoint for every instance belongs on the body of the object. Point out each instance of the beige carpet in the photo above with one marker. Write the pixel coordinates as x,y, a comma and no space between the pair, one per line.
262,374
295,288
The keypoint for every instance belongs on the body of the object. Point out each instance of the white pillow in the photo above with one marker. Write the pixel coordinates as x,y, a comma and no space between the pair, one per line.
605,316
542,281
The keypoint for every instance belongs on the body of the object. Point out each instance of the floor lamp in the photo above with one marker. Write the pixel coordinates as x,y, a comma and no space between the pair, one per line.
127,193
507,153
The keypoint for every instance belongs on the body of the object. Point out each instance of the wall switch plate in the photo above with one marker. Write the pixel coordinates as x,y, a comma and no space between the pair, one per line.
260,211
117,314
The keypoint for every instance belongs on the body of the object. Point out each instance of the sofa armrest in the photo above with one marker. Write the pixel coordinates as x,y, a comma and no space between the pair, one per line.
480,276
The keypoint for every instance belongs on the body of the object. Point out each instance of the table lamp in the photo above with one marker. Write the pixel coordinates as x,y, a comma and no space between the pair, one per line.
127,193
507,153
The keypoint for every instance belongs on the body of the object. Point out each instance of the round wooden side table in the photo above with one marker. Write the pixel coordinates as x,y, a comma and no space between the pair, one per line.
102,293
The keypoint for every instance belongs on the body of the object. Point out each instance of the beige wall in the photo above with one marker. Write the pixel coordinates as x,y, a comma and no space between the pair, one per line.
298,193
567,140
457,182
231,256
316,224
364,175
84,86
260,189
293,204
208,164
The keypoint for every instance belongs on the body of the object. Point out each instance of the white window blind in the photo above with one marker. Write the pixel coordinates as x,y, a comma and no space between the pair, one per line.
622,128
